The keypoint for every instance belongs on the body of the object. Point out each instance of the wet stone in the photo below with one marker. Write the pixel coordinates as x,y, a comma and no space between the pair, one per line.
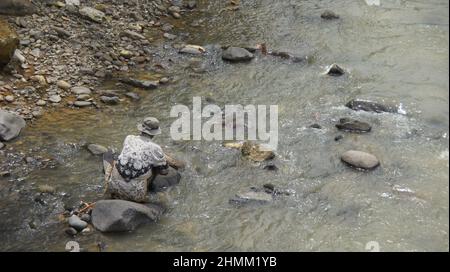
351,125
370,106
360,160
329,15
82,104
237,54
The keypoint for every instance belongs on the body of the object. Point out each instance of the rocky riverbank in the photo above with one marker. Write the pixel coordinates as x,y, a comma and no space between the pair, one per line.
68,49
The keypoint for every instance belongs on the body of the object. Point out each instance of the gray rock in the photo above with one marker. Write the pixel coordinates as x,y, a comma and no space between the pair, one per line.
237,54
2,145
9,41
251,197
133,35
162,182
144,84
92,14
361,160
133,96
71,231
169,36
83,97
16,7
86,218
96,149
76,223
114,100
9,98
81,90
119,215
82,104
41,103
10,125
335,70
55,98
329,15
363,105
351,125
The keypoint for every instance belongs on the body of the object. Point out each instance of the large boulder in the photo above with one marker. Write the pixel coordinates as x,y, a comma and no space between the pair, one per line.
162,182
16,7
10,125
9,40
120,215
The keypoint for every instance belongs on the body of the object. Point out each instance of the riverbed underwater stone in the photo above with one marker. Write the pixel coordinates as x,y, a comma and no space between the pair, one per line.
365,105
352,125
237,54
121,216
360,160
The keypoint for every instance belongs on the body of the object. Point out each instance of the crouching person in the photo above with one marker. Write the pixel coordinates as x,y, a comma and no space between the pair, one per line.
141,159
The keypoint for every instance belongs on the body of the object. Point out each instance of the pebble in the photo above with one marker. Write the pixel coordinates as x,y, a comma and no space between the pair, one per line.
360,160
329,15
2,145
169,36
9,98
81,90
86,218
76,223
55,98
71,231
133,96
97,149
82,104
83,97
164,80
41,103
351,125
63,85
110,100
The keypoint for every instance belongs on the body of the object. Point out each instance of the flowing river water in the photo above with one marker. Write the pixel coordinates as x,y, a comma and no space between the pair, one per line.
395,52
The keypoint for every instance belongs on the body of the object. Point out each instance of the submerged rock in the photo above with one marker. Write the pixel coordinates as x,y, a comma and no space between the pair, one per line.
120,215
335,70
10,125
329,15
9,41
237,54
97,149
143,84
251,197
370,106
351,125
361,160
162,182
